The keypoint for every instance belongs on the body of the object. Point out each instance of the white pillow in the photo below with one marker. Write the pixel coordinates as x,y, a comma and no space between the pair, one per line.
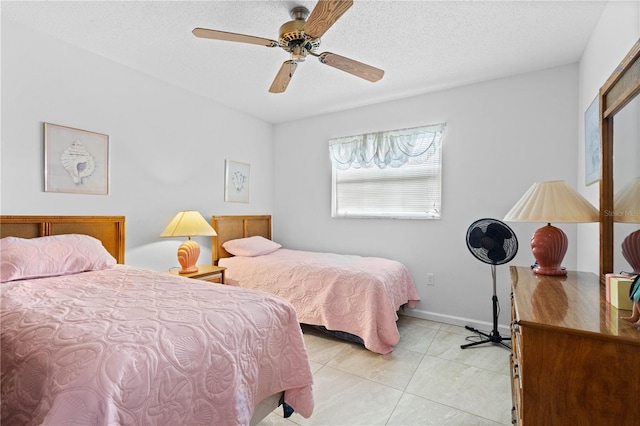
25,258
251,246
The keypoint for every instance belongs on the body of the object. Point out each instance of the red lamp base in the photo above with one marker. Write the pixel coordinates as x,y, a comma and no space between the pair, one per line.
631,250
188,254
549,245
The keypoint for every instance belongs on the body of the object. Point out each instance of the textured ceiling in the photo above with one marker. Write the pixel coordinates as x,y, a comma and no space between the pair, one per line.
423,46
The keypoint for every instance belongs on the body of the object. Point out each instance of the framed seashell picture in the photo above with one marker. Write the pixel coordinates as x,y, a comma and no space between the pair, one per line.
236,182
592,152
75,160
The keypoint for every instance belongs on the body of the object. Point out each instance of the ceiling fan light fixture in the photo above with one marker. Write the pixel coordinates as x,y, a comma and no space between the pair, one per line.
298,53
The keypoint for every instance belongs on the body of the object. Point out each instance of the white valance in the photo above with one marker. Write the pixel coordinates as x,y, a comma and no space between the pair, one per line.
390,148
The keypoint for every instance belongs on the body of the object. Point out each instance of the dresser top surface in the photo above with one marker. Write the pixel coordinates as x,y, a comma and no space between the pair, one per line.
575,302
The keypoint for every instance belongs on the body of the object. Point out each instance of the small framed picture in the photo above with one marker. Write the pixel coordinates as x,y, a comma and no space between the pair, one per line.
592,154
75,160
236,182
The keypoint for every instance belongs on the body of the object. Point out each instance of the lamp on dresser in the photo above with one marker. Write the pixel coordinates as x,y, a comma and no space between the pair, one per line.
626,206
188,224
552,201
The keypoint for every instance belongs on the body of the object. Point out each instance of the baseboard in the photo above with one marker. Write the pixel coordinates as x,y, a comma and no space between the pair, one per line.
453,320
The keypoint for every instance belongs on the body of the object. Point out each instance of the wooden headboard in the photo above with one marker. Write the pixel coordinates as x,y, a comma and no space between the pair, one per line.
108,229
233,227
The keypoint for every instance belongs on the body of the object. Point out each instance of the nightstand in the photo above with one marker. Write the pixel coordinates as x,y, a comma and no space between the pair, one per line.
213,274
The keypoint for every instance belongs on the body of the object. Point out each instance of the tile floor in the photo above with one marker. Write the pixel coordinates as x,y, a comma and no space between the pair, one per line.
427,380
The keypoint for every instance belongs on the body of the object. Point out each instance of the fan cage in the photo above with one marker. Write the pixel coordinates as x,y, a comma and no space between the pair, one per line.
509,245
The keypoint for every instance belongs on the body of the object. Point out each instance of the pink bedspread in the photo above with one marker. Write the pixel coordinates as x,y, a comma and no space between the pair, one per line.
126,346
359,295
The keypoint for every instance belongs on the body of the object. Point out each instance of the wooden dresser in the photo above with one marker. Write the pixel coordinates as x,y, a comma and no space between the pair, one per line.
574,361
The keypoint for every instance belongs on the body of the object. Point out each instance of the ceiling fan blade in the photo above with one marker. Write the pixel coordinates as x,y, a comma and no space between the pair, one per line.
351,66
283,77
324,15
240,38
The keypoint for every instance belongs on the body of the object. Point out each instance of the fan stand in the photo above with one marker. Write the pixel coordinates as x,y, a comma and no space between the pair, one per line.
494,336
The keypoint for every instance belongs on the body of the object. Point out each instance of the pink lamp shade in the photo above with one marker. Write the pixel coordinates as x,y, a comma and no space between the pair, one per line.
626,206
188,224
552,201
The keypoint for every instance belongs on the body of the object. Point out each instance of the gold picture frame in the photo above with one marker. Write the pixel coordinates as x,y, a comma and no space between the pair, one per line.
75,160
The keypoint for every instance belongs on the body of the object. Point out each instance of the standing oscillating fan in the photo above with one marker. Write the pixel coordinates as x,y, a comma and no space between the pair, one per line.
492,242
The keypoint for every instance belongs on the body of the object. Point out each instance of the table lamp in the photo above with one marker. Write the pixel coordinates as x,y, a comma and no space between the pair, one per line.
188,224
552,201
626,207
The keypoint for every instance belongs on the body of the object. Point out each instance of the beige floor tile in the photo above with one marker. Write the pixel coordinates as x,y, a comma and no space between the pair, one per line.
315,366
413,410
345,399
321,347
443,384
394,369
489,356
416,334
475,390
275,419
455,329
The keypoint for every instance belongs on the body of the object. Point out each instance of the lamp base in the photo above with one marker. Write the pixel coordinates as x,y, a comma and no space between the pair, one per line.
188,254
631,250
549,245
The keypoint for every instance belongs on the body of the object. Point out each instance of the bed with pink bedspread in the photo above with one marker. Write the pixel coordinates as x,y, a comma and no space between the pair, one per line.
122,345
346,293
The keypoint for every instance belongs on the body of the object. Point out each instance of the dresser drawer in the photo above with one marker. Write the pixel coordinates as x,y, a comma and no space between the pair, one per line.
516,391
515,370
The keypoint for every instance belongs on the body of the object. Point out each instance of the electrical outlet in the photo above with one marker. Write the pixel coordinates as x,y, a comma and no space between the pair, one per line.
430,279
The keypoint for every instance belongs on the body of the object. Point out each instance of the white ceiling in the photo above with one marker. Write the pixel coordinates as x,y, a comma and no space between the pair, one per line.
423,46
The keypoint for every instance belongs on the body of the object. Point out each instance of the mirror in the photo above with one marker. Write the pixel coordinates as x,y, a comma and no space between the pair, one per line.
626,169
620,91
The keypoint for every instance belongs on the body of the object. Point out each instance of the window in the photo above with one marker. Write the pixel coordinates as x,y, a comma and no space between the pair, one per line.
393,174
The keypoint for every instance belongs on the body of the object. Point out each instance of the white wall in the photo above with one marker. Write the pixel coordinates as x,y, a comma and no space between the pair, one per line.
501,137
504,135
615,34
167,146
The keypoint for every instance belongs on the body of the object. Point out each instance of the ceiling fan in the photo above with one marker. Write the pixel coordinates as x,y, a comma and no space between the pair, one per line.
301,37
